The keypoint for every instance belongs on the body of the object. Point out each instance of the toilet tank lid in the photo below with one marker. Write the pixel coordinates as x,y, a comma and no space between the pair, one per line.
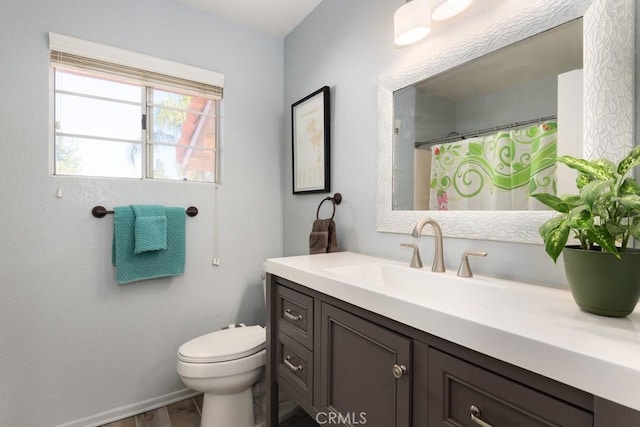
223,345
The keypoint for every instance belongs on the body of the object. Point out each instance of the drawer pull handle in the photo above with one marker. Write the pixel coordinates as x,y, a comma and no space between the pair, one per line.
398,371
288,315
475,416
288,364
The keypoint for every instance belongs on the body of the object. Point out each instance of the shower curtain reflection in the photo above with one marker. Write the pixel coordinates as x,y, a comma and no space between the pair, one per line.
495,172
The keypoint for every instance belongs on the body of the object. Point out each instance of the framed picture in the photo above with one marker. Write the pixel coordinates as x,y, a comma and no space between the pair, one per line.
311,143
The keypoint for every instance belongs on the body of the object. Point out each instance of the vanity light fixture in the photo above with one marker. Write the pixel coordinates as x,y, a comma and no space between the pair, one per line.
445,9
412,22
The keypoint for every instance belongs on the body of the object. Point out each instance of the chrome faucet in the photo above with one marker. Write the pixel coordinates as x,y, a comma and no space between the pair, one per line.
438,258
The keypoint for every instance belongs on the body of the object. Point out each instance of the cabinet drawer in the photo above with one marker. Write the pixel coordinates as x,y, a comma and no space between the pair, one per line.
456,386
295,366
295,315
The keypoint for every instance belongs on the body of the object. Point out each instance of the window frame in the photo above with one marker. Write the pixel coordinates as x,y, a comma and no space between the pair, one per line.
148,74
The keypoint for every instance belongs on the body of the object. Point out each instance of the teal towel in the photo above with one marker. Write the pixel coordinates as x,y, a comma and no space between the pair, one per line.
131,267
150,229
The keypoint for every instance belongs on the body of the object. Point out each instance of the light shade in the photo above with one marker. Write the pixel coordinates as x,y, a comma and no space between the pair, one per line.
449,8
412,22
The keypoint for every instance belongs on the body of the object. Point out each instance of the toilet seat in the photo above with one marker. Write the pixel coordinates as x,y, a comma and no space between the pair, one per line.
224,345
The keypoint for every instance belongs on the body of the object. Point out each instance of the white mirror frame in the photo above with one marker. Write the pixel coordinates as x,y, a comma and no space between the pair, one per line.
608,96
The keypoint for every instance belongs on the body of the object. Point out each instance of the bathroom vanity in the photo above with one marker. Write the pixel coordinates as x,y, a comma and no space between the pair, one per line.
359,340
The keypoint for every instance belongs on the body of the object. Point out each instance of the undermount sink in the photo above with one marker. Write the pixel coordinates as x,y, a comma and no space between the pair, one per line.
398,277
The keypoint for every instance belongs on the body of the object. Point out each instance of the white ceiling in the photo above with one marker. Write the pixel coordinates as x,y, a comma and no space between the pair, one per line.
277,17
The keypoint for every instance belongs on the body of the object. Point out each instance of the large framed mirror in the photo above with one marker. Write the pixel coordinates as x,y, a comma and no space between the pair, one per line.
605,109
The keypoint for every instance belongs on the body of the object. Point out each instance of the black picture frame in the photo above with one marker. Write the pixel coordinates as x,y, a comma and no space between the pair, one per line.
311,143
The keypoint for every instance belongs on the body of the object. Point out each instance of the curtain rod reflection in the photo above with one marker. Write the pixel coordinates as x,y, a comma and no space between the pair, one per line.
454,136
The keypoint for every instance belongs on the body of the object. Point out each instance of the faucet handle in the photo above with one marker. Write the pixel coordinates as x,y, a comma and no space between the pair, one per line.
465,268
416,262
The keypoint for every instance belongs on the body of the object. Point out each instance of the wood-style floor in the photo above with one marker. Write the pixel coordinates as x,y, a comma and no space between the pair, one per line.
187,414
181,414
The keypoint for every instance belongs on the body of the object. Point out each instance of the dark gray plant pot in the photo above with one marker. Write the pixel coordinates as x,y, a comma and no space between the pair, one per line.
601,283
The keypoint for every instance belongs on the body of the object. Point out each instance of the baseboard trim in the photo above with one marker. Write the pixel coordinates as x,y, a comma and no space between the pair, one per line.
131,410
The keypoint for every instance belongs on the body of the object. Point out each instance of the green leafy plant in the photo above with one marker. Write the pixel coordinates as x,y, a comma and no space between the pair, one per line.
604,215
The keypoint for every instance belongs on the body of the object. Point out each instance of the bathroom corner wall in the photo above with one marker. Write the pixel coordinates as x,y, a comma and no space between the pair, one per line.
75,348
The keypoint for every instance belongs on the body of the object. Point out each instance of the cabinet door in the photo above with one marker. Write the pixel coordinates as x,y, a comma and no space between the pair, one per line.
360,363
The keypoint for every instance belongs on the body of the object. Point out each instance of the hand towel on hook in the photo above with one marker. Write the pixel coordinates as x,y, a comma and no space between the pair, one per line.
323,233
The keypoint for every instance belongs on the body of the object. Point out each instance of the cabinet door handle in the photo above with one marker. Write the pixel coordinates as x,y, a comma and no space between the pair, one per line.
288,364
288,315
475,413
398,371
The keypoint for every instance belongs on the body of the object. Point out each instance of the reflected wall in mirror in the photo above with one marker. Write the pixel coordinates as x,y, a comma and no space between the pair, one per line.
485,135
607,107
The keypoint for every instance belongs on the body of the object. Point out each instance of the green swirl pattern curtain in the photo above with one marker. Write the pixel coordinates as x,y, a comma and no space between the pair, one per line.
495,172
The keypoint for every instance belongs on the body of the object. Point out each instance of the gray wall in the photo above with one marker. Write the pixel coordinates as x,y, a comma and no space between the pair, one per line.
72,343
349,58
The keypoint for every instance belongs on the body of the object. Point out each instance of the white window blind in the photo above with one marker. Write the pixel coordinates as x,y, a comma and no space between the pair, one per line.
88,58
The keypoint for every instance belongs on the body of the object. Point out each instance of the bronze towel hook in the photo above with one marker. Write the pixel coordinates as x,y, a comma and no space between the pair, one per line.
335,200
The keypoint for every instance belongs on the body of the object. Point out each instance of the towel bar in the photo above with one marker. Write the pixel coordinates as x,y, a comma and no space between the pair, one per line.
101,211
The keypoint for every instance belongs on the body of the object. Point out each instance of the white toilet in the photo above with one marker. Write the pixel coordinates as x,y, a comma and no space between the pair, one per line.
225,365
228,367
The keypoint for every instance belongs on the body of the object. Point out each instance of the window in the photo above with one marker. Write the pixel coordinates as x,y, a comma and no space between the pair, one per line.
115,120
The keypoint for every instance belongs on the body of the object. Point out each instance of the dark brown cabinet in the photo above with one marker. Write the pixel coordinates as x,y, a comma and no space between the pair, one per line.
364,371
348,367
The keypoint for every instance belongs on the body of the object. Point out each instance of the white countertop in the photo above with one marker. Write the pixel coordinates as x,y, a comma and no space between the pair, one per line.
534,327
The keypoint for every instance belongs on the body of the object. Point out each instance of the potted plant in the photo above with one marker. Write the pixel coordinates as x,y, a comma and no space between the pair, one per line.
602,271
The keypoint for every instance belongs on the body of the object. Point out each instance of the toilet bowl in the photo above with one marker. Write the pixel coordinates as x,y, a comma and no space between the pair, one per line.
227,366
224,365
